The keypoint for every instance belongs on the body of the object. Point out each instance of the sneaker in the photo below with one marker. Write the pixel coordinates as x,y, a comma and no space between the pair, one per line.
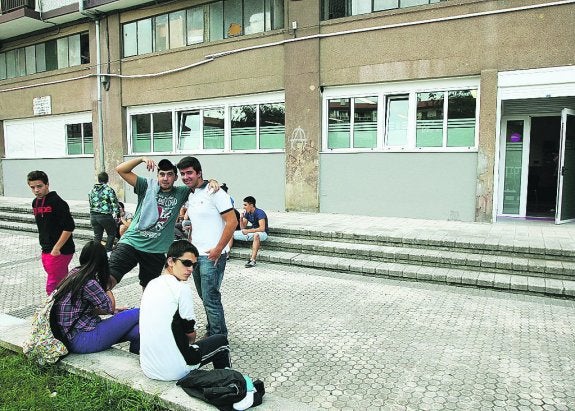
250,264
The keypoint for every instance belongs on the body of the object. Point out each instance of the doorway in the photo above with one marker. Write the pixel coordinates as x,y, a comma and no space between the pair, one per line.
543,166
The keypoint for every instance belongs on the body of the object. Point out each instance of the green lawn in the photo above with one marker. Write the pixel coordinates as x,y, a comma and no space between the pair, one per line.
24,385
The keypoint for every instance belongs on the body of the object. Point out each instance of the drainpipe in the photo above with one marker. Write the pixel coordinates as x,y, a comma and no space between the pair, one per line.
99,80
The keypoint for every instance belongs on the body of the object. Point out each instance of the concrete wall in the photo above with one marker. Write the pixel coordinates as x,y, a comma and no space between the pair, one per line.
258,175
72,178
419,185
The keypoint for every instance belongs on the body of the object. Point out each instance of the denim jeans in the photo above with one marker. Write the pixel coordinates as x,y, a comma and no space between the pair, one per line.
101,222
208,279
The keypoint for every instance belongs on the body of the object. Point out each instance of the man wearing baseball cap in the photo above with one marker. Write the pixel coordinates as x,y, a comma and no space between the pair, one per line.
152,229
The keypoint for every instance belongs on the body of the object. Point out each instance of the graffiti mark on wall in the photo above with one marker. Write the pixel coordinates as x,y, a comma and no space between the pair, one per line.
298,140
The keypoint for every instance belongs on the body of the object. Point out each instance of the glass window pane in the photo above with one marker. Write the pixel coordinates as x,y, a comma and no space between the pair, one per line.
88,138
429,126
397,116
190,133
410,3
21,61
195,25
130,39
277,15
338,131
141,133
333,9
216,23
2,66
513,159
11,64
272,126
233,18
161,33
365,122
145,38
63,55
244,128
51,55
461,106
40,58
214,128
74,50
84,48
177,29
385,4
254,16
360,7
30,60
162,125
74,138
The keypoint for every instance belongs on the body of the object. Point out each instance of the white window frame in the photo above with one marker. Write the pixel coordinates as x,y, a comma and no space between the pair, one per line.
400,88
200,105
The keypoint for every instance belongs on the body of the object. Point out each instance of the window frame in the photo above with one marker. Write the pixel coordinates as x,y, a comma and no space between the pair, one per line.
82,139
390,90
201,106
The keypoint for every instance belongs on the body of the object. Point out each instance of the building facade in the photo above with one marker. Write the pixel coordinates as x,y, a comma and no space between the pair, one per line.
453,109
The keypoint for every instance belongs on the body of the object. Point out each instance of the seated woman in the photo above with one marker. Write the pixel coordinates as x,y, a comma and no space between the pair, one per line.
167,322
80,300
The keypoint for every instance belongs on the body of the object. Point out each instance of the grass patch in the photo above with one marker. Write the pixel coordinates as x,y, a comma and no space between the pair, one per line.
24,385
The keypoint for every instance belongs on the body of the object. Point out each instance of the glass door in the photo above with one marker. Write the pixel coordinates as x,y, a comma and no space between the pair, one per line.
515,164
566,173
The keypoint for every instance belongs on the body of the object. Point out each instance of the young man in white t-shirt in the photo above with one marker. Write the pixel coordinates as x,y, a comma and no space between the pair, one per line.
168,321
213,223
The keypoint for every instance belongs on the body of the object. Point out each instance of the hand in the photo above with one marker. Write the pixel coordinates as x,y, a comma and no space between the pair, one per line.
55,252
150,164
214,254
213,186
120,309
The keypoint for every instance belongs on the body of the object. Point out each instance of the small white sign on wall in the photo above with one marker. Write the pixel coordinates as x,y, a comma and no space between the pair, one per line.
42,105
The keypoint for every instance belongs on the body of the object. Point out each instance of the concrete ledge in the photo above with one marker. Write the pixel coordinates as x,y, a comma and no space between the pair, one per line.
124,368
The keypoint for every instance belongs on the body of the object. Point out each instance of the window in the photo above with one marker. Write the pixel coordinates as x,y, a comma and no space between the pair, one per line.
152,132
333,9
352,122
79,139
210,22
230,127
50,55
416,120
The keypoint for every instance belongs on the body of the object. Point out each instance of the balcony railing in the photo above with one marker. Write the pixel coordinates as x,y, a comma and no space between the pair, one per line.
10,5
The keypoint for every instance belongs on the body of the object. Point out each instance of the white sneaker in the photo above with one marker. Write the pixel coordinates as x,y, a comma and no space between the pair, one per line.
250,264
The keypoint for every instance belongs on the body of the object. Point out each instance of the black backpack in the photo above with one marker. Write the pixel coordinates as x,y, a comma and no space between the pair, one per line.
221,387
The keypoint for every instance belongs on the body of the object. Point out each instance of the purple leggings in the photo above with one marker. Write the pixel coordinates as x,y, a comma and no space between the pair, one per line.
120,327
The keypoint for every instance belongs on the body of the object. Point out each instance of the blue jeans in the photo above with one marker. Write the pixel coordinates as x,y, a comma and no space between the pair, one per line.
123,326
208,279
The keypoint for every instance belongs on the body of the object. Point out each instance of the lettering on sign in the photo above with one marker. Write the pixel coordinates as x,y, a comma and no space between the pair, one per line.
42,106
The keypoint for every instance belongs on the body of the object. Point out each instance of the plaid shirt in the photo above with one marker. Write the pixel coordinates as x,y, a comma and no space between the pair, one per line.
92,297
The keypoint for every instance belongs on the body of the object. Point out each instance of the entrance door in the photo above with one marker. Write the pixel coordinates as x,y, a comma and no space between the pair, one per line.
515,160
566,175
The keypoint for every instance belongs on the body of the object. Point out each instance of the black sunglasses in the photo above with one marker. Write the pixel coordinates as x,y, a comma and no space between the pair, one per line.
187,263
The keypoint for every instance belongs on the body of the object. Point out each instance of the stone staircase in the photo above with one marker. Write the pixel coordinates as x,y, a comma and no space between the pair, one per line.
524,268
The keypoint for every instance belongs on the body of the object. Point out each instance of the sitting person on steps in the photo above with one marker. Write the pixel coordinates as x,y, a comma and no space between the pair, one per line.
253,227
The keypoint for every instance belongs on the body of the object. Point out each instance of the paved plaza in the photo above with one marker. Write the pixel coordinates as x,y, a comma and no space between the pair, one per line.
344,342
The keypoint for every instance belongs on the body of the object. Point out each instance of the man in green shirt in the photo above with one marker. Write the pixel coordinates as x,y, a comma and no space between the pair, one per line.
147,246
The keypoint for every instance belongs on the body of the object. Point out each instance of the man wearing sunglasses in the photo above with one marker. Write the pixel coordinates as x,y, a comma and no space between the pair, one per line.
213,224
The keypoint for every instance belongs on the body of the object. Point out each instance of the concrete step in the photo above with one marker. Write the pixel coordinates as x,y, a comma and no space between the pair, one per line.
454,276
28,218
79,233
437,257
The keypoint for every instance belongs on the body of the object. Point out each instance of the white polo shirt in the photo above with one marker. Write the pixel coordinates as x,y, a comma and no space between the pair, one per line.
205,211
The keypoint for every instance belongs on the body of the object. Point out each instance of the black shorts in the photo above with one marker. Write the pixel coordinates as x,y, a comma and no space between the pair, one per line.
125,257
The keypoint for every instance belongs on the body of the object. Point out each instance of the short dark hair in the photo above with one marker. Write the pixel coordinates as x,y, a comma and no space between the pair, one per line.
121,204
189,161
38,175
250,200
166,165
103,177
179,248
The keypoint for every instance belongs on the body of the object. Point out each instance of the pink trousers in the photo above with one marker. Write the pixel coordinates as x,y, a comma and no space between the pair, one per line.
57,269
